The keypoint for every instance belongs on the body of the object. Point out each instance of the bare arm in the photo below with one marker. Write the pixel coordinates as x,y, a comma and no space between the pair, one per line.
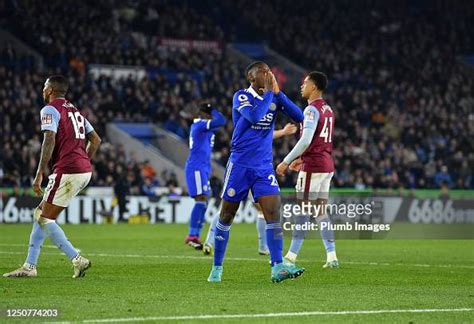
287,130
47,148
278,133
49,140
93,142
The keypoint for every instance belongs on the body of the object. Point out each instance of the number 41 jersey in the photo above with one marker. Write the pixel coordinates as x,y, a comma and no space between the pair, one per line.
318,156
63,118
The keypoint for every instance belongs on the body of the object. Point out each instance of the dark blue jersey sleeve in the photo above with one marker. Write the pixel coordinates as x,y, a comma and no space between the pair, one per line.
250,109
218,120
289,108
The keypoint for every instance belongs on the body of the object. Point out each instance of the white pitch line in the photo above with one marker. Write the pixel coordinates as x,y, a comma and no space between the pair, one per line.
107,255
272,315
26,245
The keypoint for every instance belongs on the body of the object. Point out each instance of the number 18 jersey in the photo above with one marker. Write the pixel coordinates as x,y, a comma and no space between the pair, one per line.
63,118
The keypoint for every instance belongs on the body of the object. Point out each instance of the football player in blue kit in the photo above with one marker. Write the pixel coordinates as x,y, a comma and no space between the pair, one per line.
198,167
208,246
250,166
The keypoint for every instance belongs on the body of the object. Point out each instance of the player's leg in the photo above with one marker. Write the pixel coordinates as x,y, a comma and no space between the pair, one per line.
235,190
267,192
197,183
305,183
206,195
195,222
66,187
274,233
208,246
261,231
327,234
37,237
221,238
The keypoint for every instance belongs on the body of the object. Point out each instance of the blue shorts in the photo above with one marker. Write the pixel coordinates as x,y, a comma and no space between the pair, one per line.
197,181
239,180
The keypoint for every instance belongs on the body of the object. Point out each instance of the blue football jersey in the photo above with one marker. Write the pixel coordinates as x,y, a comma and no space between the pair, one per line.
253,117
201,140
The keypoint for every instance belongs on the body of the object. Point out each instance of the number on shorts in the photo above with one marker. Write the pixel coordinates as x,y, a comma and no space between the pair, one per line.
78,124
273,179
326,132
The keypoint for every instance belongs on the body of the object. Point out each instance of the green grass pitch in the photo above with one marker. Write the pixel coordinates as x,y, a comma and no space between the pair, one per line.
146,272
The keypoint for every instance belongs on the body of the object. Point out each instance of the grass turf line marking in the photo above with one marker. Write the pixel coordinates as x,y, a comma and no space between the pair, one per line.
107,255
270,315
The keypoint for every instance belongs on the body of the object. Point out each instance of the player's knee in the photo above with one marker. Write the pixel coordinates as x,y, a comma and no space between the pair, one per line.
273,215
226,216
228,212
322,205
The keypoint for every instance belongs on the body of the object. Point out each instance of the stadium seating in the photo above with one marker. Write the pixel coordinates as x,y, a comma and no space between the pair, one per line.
387,98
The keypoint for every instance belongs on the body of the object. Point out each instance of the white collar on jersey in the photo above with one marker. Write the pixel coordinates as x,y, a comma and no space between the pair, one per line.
254,93
199,119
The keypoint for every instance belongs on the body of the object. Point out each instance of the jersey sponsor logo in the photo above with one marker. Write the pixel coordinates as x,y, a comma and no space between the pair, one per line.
47,119
231,192
268,118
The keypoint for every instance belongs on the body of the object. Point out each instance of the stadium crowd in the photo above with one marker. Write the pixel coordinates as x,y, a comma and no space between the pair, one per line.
404,104
405,107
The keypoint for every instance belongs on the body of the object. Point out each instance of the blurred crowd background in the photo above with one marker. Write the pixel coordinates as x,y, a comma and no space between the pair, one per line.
404,100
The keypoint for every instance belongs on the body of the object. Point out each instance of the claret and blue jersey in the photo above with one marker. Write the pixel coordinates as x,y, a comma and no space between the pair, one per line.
201,141
250,164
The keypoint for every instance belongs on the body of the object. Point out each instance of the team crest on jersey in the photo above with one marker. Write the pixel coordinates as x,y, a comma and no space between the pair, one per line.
273,106
47,119
310,116
231,192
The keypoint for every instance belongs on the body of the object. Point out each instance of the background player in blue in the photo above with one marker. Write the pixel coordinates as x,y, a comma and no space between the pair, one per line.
198,167
250,166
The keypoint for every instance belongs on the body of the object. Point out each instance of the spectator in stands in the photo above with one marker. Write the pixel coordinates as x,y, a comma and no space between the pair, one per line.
443,177
394,82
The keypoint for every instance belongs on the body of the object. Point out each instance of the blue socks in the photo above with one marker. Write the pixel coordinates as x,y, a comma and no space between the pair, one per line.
275,241
327,234
197,218
220,242
262,234
57,236
36,242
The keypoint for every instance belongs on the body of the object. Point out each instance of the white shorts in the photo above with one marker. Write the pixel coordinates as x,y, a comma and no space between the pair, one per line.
63,187
313,186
